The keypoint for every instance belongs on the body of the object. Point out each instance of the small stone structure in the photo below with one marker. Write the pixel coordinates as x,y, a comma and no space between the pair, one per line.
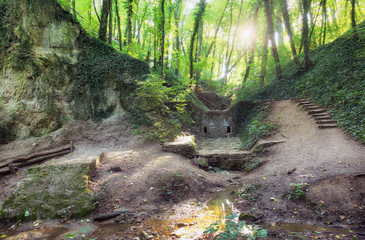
217,123
183,145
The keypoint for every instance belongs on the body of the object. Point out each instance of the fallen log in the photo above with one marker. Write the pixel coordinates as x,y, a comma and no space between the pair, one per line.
103,217
40,154
39,159
11,165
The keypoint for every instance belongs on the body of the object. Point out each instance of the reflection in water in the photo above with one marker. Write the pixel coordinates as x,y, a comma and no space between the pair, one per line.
219,207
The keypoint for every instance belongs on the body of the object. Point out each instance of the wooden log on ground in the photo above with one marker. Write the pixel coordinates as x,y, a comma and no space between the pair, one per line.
13,166
103,217
4,170
40,154
42,158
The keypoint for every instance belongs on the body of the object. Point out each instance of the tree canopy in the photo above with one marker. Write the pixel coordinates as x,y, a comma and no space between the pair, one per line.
219,44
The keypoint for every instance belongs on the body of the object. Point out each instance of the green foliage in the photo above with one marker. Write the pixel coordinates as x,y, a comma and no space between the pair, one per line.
99,65
251,165
255,126
336,81
250,192
256,130
231,229
160,108
173,188
50,192
296,191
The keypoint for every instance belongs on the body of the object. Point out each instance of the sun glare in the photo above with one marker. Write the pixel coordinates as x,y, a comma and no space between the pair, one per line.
248,33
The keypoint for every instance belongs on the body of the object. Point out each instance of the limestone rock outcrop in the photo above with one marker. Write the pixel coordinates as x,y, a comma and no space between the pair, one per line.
52,71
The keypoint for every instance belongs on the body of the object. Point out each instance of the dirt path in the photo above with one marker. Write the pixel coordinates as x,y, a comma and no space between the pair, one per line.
141,178
315,154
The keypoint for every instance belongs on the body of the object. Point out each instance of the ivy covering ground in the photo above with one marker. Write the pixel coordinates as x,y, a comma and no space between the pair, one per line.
335,81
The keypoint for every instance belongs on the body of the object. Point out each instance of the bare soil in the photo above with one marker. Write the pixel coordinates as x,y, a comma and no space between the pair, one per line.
140,177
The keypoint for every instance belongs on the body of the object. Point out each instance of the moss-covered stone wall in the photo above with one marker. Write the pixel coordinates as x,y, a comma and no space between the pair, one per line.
51,71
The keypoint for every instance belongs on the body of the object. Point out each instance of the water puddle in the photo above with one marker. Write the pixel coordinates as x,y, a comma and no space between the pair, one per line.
202,216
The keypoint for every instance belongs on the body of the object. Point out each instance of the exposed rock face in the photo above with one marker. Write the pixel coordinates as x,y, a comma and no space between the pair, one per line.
51,71
53,190
183,145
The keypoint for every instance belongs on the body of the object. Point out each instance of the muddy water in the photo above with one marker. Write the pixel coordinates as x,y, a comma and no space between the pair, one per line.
220,206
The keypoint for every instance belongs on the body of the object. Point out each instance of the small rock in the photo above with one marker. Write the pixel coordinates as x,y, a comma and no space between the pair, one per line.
115,169
144,236
180,225
247,217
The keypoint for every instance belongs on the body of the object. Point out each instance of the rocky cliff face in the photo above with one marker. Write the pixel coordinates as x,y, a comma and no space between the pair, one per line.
51,71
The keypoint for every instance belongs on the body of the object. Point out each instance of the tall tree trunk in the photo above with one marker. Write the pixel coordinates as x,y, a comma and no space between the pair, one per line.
141,22
199,51
197,22
110,38
96,11
279,26
264,61
74,8
176,55
216,31
268,13
289,31
212,67
252,50
119,27
324,20
134,26
104,20
155,51
225,77
128,30
353,14
162,39
307,61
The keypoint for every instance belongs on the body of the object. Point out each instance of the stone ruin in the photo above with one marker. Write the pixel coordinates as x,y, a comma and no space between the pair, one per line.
217,122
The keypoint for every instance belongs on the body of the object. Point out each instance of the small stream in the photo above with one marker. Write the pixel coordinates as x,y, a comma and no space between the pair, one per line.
219,206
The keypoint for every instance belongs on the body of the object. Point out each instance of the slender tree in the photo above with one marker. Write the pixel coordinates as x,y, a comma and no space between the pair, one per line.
289,31
307,61
252,49
110,38
177,15
270,28
353,13
162,37
119,27
104,20
128,29
264,61
198,20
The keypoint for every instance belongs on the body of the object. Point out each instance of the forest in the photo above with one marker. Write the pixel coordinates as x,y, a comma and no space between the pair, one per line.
219,44
182,119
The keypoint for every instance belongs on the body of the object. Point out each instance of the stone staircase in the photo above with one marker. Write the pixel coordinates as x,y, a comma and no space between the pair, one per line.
321,116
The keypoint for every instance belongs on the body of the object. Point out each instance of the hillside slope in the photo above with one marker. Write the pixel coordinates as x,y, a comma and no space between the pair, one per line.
52,72
336,81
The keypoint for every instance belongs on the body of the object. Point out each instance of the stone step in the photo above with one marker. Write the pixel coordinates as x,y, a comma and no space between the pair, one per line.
326,121
321,115
323,118
307,104
312,108
324,126
311,112
298,100
304,103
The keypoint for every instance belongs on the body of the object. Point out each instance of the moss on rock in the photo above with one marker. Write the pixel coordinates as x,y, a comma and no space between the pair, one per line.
52,71
52,191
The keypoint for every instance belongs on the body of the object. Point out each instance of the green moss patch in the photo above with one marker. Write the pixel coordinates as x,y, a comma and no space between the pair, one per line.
53,191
